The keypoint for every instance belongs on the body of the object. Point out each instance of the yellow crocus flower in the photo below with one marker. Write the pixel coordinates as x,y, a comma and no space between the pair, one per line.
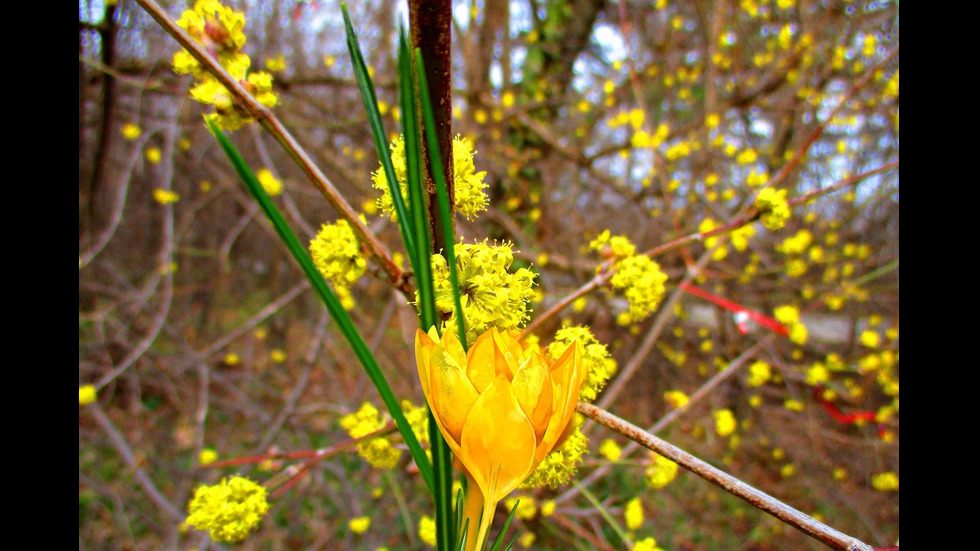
502,407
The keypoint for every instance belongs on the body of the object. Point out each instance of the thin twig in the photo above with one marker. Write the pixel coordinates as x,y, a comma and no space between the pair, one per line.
126,452
268,120
736,487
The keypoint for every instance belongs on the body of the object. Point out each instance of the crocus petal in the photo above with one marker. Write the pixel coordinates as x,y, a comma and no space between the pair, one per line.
498,443
533,389
481,361
453,346
452,393
508,350
423,349
566,378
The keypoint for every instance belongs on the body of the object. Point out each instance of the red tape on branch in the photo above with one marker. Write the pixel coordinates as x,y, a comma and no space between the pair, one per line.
739,310
839,415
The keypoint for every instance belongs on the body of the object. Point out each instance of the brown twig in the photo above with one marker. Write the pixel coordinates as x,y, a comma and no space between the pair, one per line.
736,487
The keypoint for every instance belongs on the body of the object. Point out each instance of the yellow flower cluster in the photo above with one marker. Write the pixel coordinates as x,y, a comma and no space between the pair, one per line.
337,254
377,451
219,29
636,275
469,197
643,284
773,209
598,364
616,245
741,236
559,466
797,244
660,472
491,296
229,509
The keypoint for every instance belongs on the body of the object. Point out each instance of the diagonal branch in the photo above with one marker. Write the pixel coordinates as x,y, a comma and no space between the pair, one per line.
268,120
736,487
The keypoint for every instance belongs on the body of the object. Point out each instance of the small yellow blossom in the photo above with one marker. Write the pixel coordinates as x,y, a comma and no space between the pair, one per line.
359,525
207,456
548,508
759,374
610,449
86,394
276,64
675,398
646,544
787,470
793,405
660,472
231,359
427,530
277,355
798,333
270,184
526,539
870,339
526,508
724,422
153,154
633,513
131,131
885,482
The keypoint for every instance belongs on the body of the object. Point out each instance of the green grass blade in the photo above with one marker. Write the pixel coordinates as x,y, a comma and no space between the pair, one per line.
499,540
441,455
442,195
416,193
370,100
340,316
602,511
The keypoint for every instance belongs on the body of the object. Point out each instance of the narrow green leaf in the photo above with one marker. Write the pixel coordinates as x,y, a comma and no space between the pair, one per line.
333,305
499,540
602,511
442,195
416,193
370,100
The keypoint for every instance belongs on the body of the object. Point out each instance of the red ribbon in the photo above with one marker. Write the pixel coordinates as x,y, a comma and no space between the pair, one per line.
761,319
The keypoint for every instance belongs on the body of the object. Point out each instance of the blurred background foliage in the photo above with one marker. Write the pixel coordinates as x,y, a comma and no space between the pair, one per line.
643,118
